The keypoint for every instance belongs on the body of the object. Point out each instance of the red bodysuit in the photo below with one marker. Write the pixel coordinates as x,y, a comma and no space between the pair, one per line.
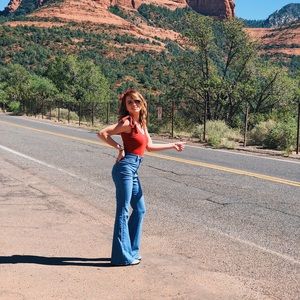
134,142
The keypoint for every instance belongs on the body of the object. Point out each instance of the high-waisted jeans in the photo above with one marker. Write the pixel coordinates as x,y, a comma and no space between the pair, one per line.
127,230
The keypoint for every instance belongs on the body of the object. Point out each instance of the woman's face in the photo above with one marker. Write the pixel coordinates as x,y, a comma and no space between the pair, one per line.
133,106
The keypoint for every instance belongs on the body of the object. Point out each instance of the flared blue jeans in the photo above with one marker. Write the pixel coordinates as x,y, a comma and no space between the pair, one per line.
127,230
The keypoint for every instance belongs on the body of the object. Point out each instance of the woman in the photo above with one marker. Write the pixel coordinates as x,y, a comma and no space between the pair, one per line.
133,129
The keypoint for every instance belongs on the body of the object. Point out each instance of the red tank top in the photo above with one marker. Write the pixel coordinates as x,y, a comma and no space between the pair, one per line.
134,142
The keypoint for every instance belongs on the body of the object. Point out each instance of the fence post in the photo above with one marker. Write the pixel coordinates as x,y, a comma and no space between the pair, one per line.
246,125
148,110
172,118
43,104
35,108
107,112
58,114
298,130
204,121
93,112
79,113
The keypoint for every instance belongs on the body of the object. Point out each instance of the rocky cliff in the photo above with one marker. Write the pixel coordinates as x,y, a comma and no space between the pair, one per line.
12,6
218,8
286,15
25,5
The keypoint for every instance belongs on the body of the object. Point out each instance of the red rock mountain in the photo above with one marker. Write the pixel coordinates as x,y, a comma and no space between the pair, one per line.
12,6
96,14
217,8
284,40
222,9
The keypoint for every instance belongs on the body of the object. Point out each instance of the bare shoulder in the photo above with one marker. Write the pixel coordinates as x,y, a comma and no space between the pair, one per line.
117,128
125,122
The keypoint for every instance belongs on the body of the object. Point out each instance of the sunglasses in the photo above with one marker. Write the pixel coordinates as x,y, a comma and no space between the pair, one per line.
137,102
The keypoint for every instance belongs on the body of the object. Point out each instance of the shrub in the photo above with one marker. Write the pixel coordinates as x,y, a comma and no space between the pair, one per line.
279,135
282,136
64,114
218,134
116,10
260,132
14,106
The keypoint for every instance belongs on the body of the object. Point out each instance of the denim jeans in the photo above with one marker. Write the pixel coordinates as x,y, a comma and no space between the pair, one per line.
127,230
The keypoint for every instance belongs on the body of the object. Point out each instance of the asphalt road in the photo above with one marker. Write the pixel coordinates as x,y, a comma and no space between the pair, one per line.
230,213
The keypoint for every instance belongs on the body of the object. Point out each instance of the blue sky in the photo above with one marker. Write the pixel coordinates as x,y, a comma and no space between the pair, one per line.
259,9
247,9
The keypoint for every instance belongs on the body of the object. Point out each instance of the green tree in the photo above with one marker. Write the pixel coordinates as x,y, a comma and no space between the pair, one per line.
93,87
42,92
199,65
82,83
16,79
234,61
64,73
3,96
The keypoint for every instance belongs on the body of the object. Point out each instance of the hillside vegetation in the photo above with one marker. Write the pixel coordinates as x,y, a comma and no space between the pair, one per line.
279,34
212,71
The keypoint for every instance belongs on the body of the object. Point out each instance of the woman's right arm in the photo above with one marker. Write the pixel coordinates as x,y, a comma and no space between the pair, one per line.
115,129
106,133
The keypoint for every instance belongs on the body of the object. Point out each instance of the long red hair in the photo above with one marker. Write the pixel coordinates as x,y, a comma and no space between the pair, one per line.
134,95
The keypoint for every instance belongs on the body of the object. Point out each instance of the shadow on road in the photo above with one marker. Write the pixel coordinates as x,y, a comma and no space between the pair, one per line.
56,261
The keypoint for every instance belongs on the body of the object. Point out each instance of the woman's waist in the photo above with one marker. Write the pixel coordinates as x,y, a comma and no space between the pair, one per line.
134,156
129,164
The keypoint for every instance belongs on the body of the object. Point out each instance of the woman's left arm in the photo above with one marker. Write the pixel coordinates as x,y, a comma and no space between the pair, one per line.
178,146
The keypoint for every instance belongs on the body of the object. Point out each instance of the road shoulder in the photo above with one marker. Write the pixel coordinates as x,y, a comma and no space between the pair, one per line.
56,245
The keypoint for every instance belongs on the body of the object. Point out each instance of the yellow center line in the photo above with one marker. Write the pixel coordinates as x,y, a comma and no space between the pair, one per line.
55,134
171,158
229,170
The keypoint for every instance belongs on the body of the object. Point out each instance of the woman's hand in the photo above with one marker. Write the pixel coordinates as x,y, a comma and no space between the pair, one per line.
121,155
179,146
